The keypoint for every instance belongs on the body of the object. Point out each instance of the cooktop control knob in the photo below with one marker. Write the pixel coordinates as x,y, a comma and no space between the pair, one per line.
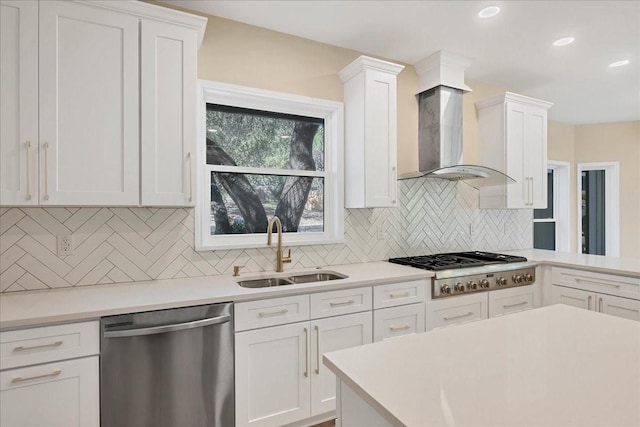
459,287
445,289
517,278
528,278
472,285
484,283
501,281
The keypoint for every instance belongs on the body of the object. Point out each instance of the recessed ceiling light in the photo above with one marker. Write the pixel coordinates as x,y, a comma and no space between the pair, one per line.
619,63
564,41
489,12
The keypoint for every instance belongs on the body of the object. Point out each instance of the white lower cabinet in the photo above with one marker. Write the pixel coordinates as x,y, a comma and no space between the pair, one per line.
393,322
280,378
63,394
272,375
602,303
453,311
50,376
507,301
333,334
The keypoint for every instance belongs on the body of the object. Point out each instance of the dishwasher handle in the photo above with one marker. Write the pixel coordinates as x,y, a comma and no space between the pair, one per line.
167,328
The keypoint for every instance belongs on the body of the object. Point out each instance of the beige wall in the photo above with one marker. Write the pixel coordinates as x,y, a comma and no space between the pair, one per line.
617,142
242,54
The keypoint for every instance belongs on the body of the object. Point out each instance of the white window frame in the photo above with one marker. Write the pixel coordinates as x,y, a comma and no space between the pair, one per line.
611,208
246,97
561,185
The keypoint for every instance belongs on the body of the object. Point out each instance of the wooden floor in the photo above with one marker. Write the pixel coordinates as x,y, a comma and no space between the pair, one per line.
331,423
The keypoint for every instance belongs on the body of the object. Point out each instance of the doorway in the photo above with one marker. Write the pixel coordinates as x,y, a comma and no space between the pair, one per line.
598,218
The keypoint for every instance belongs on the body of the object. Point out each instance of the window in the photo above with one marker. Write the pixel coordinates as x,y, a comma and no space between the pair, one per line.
551,228
262,154
544,222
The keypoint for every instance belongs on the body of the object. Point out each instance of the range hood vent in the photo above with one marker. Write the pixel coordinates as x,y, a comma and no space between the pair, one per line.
440,124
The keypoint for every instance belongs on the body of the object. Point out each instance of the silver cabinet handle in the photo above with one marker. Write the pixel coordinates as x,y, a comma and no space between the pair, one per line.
46,171
272,313
589,302
399,328
596,282
306,352
401,295
531,183
190,178
28,144
38,347
36,377
317,349
459,316
394,184
600,305
167,328
336,304
515,305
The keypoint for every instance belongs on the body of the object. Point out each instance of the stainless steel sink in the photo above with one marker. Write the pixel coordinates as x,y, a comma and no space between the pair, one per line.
316,277
265,282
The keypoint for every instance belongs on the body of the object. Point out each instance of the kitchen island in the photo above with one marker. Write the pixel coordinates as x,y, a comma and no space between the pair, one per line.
553,366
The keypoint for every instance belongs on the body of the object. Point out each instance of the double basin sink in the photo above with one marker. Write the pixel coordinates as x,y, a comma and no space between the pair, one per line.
265,282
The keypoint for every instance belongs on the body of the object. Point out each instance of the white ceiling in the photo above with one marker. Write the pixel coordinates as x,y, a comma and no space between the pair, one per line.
512,50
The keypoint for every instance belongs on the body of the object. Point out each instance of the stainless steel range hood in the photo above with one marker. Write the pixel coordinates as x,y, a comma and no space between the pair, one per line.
440,124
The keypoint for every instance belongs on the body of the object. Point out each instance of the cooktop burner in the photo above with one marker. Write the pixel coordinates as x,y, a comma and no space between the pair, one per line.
455,260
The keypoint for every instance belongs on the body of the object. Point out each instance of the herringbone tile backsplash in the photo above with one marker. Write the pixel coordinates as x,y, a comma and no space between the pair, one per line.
134,244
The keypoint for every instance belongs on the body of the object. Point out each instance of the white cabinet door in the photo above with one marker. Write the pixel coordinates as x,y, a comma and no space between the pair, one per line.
506,301
89,115
19,103
168,113
272,375
621,307
333,334
452,311
395,322
63,394
516,119
574,297
535,157
370,92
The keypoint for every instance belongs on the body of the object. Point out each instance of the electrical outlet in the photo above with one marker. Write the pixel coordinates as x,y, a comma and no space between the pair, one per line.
507,228
382,232
65,245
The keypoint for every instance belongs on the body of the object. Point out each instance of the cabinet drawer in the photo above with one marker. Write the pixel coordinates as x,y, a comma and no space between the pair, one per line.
335,303
54,394
452,311
399,293
507,301
49,343
597,282
270,312
395,322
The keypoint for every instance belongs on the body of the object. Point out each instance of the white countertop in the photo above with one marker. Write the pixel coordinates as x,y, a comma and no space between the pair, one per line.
598,263
553,366
21,309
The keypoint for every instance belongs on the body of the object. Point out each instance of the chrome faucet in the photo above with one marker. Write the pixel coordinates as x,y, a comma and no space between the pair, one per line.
280,258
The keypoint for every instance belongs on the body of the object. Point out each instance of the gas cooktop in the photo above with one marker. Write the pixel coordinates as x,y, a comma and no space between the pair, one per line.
455,260
459,273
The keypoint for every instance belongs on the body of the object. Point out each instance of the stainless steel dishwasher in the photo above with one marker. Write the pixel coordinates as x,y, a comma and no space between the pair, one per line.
168,368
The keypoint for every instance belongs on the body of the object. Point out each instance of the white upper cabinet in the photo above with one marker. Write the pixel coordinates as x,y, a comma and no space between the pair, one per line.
87,87
512,138
370,133
89,110
19,102
168,88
